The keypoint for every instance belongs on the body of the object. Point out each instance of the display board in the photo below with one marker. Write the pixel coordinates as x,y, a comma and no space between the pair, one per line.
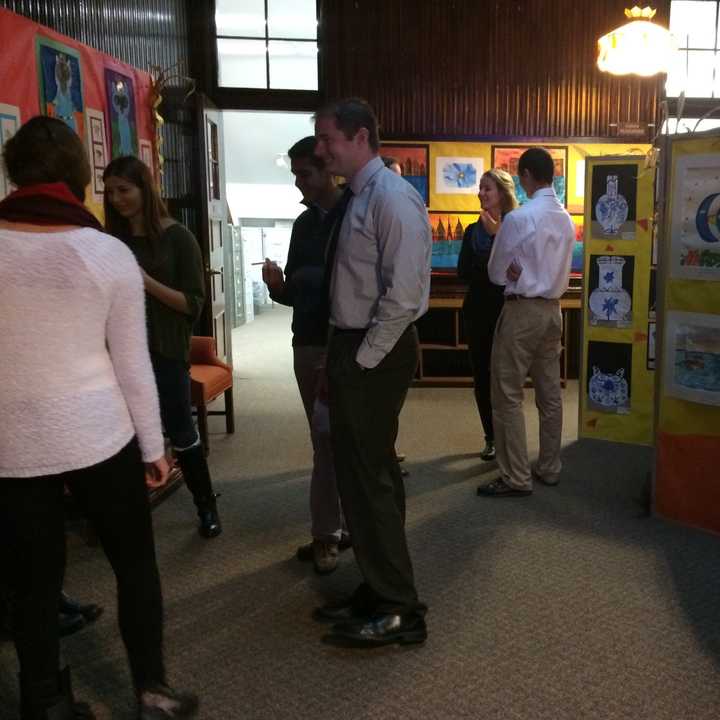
616,374
687,471
447,176
105,101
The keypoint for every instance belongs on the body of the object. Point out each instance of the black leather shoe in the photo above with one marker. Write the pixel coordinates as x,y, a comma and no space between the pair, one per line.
338,611
69,624
210,526
70,606
380,630
488,452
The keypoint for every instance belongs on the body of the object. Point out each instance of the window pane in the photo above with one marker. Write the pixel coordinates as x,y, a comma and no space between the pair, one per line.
292,19
293,65
245,18
701,67
677,74
692,22
691,71
242,63
688,125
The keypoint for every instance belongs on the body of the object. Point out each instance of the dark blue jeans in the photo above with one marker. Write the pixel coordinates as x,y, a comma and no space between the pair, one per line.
173,384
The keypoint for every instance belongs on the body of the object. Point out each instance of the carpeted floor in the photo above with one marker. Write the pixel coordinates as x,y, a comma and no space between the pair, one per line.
565,605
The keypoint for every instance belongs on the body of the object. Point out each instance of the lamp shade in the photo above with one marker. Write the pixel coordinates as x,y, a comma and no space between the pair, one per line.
638,48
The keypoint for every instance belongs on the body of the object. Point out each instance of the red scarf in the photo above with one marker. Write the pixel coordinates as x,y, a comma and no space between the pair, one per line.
47,204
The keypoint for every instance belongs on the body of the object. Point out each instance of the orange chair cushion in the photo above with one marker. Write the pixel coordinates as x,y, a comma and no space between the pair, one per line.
208,381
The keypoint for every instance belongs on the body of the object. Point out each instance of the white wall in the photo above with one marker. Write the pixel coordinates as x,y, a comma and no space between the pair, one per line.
257,200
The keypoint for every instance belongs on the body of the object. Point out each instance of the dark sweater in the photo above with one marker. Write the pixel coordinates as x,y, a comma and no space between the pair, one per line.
473,269
304,288
179,266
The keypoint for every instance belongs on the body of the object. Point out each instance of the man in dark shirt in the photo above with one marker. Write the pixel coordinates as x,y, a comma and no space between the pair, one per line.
302,287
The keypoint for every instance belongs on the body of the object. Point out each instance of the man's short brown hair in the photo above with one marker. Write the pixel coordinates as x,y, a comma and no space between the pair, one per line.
350,115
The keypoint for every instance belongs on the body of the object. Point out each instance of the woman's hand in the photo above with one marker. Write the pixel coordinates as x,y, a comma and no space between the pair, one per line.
491,225
156,473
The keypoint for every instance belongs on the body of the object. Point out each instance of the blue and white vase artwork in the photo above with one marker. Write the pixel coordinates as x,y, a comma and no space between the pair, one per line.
609,391
610,304
611,209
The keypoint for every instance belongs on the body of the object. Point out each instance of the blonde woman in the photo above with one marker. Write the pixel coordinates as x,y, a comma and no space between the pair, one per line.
484,300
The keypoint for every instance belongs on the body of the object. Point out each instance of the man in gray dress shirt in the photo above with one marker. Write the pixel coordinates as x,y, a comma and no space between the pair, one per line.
379,284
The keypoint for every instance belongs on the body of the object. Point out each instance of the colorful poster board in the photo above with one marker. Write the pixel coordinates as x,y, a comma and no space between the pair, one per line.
687,458
44,72
617,359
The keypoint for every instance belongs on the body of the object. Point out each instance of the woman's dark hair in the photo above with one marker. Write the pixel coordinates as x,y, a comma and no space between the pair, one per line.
134,171
539,163
46,150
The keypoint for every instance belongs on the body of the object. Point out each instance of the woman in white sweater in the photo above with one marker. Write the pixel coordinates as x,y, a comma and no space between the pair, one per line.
80,410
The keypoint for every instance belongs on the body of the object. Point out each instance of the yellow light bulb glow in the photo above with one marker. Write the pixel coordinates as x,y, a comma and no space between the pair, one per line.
637,48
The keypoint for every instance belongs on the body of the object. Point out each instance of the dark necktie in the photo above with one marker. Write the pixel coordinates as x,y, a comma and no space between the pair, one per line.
338,213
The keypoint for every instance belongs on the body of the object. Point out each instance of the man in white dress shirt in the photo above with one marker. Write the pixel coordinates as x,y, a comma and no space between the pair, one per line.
531,256
378,264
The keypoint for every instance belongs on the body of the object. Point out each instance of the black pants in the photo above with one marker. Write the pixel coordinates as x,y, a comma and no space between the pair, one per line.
364,412
113,496
480,315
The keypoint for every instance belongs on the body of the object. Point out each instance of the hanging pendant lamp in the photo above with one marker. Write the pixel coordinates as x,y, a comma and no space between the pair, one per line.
638,47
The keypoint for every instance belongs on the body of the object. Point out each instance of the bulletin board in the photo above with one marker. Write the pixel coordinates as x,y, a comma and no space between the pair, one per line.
687,470
618,348
105,101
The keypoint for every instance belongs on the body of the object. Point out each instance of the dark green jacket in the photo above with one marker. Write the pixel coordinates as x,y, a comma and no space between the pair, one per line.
179,266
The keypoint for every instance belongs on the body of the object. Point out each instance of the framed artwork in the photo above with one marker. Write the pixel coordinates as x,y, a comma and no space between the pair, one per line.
60,82
506,158
695,225
692,357
651,333
613,204
458,175
610,285
447,233
146,155
97,150
414,160
609,377
122,123
9,124
578,255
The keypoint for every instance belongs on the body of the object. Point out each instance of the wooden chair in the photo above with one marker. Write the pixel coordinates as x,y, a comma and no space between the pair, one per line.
209,378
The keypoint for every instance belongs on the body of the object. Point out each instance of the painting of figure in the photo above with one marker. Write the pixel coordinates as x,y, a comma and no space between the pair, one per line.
122,125
506,158
60,82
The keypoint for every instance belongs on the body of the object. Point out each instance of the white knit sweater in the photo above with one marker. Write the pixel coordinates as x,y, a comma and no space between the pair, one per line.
76,381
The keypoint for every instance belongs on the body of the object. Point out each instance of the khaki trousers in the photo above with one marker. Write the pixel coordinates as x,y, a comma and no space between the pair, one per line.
527,341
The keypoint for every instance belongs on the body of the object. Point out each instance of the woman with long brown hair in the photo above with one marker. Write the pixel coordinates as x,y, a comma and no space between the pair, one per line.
484,300
172,270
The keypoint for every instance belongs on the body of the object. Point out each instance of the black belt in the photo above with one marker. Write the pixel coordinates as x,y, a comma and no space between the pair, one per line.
524,297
